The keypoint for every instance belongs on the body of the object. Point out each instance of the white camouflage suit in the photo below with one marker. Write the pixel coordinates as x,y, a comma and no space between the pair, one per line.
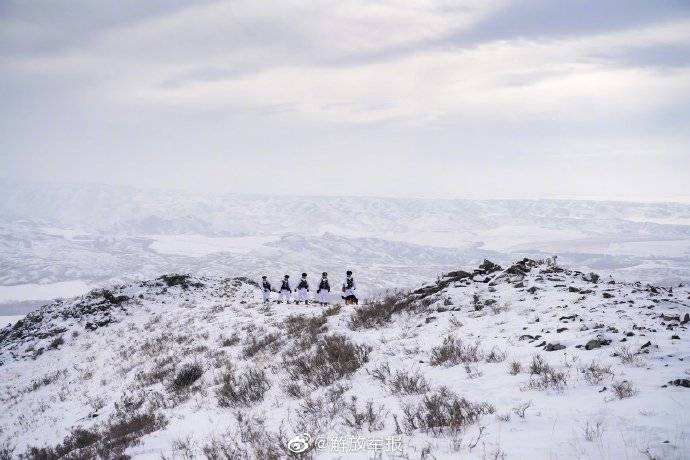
303,290
323,293
266,290
285,291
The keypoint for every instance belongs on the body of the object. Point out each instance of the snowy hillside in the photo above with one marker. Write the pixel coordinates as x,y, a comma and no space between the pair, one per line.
532,361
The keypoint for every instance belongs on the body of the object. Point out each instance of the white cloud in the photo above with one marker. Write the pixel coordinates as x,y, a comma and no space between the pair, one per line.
355,61
359,79
563,78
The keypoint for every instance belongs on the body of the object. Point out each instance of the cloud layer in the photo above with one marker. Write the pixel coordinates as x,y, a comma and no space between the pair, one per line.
461,98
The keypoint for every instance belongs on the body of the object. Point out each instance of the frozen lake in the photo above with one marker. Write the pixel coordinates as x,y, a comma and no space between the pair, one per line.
23,292
9,320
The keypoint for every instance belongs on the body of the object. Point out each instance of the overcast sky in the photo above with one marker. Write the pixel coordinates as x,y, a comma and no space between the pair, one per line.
462,98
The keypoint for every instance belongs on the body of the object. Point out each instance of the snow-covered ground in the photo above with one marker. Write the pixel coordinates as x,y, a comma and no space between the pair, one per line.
532,361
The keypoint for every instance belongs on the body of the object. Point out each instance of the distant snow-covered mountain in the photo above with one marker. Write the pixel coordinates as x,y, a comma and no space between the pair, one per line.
95,234
111,209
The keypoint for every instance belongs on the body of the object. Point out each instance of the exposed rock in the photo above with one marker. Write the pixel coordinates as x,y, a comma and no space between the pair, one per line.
114,299
180,280
521,267
533,289
554,347
680,383
596,343
441,284
489,267
670,317
592,278
530,338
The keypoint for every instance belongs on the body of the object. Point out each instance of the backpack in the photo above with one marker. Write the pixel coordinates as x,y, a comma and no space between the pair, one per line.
323,285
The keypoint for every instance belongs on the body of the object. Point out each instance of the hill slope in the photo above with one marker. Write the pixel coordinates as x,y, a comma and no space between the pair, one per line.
534,361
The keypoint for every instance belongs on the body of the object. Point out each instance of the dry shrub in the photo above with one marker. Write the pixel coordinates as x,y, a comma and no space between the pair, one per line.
251,441
453,352
305,328
624,389
626,355
318,412
401,382
538,365
370,417
380,312
46,380
593,432
293,389
125,430
186,376
234,339
268,342
595,373
162,368
56,342
241,390
443,411
225,449
496,355
497,308
332,310
6,450
333,357
503,417
108,440
544,377
521,409
515,368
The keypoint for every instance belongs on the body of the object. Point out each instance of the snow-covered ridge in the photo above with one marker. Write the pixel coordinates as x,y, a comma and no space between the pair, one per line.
529,361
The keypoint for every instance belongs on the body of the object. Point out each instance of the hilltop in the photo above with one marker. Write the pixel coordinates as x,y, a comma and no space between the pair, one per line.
528,361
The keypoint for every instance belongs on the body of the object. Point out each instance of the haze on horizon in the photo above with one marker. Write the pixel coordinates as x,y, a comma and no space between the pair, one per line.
449,99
